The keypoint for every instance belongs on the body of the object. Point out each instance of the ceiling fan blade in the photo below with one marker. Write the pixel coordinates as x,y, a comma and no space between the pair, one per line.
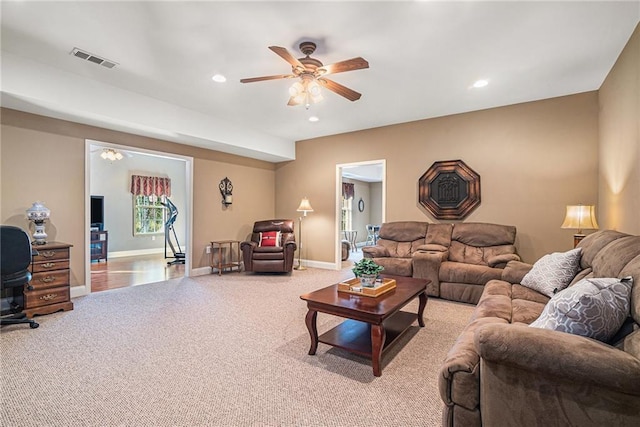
350,94
284,54
259,79
342,66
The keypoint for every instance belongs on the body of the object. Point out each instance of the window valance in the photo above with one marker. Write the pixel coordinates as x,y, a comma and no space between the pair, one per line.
348,190
150,185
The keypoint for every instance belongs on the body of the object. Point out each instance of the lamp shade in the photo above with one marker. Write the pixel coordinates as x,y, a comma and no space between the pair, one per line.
38,212
305,206
580,217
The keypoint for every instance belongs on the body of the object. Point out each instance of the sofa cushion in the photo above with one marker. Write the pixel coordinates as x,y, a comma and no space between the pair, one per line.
459,272
594,308
403,231
482,234
439,234
396,266
397,249
553,272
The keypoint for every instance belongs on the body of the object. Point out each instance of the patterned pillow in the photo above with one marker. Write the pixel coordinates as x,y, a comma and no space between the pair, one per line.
594,308
553,272
270,238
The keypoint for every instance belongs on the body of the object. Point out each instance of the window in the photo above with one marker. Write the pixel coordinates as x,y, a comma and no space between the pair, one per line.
346,220
148,215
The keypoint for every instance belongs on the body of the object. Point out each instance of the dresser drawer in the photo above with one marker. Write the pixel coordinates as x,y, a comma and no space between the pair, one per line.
50,265
50,279
41,297
51,254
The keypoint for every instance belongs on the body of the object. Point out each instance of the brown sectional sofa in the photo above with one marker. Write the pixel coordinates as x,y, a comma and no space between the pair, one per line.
501,372
459,259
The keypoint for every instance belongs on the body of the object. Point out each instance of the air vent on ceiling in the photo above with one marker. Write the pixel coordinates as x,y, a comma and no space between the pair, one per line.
78,53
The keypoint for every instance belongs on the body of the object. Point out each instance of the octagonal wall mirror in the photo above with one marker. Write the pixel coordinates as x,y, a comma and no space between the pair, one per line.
449,190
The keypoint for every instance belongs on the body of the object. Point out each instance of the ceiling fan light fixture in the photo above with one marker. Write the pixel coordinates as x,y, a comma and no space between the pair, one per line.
111,154
314,89
296,89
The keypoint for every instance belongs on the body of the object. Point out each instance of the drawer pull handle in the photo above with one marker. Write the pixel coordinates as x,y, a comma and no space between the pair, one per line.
49,264
47,279
48,254
48,297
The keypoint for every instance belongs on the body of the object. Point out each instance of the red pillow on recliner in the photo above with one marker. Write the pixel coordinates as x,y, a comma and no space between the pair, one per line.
270,238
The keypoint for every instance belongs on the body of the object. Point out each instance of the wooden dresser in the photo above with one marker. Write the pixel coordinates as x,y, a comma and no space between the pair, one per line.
50,281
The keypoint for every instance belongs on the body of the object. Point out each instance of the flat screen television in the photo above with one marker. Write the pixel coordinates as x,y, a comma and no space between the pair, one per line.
97,212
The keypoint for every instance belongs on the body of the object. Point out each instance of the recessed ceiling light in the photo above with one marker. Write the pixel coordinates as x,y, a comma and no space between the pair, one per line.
313,119
480,83
219,78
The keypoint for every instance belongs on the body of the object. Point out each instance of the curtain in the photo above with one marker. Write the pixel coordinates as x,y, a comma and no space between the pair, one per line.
348,190
150,185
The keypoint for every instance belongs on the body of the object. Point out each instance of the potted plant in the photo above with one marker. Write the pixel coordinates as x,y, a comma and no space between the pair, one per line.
367,270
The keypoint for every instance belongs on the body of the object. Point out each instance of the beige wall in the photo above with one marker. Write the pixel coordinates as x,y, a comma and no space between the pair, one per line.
533,158
44,159
619,190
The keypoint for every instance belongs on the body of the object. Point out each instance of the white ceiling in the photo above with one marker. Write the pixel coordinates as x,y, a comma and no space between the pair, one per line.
423,58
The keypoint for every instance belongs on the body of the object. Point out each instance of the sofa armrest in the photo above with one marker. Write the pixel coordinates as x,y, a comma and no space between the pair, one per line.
426,265
554,378
247,254
514,271
559,355
500,261
375,252
290,246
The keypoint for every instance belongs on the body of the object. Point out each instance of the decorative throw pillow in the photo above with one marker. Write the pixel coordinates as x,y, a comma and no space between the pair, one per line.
553,272
270,238
594,308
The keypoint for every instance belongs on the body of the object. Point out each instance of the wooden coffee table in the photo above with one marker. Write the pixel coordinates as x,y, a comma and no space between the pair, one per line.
373,324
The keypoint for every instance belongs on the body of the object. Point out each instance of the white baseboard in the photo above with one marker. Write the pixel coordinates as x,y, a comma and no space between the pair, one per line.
136,252
79,291
201,271
319,264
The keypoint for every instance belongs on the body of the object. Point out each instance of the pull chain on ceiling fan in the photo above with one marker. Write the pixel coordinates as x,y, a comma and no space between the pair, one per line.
311,73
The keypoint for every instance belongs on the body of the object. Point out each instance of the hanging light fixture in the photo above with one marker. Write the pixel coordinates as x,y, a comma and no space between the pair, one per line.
307,91
111,154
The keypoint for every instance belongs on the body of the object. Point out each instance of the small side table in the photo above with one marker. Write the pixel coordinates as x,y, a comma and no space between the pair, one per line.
219,262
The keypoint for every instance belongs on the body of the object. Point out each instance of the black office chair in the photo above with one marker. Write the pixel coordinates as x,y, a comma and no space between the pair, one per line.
15,257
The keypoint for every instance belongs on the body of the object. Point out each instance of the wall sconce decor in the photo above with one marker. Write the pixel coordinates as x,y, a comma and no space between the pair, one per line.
580,217
39,213
226,188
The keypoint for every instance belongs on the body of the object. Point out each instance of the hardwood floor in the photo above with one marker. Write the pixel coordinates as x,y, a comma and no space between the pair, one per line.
132,271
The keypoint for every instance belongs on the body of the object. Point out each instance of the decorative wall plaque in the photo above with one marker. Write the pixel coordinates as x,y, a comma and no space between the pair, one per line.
449,190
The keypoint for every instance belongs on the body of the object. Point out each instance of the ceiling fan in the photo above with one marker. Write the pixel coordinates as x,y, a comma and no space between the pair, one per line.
311,73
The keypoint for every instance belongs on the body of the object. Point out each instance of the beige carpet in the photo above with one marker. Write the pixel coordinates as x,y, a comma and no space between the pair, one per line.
216,351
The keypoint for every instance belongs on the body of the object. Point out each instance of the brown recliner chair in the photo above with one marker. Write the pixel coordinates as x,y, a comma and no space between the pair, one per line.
271,248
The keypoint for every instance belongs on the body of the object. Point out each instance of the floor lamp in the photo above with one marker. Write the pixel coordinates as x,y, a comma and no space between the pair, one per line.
304,207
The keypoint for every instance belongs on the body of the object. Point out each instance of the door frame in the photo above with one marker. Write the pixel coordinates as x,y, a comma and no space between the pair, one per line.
338,200
86,289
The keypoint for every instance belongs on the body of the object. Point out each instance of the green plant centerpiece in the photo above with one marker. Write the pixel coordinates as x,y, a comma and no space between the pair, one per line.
367,270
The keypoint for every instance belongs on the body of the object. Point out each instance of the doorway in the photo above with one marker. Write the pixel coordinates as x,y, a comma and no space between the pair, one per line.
136,255
365,207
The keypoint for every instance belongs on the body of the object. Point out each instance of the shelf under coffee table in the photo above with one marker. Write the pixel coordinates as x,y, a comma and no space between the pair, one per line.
373,325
